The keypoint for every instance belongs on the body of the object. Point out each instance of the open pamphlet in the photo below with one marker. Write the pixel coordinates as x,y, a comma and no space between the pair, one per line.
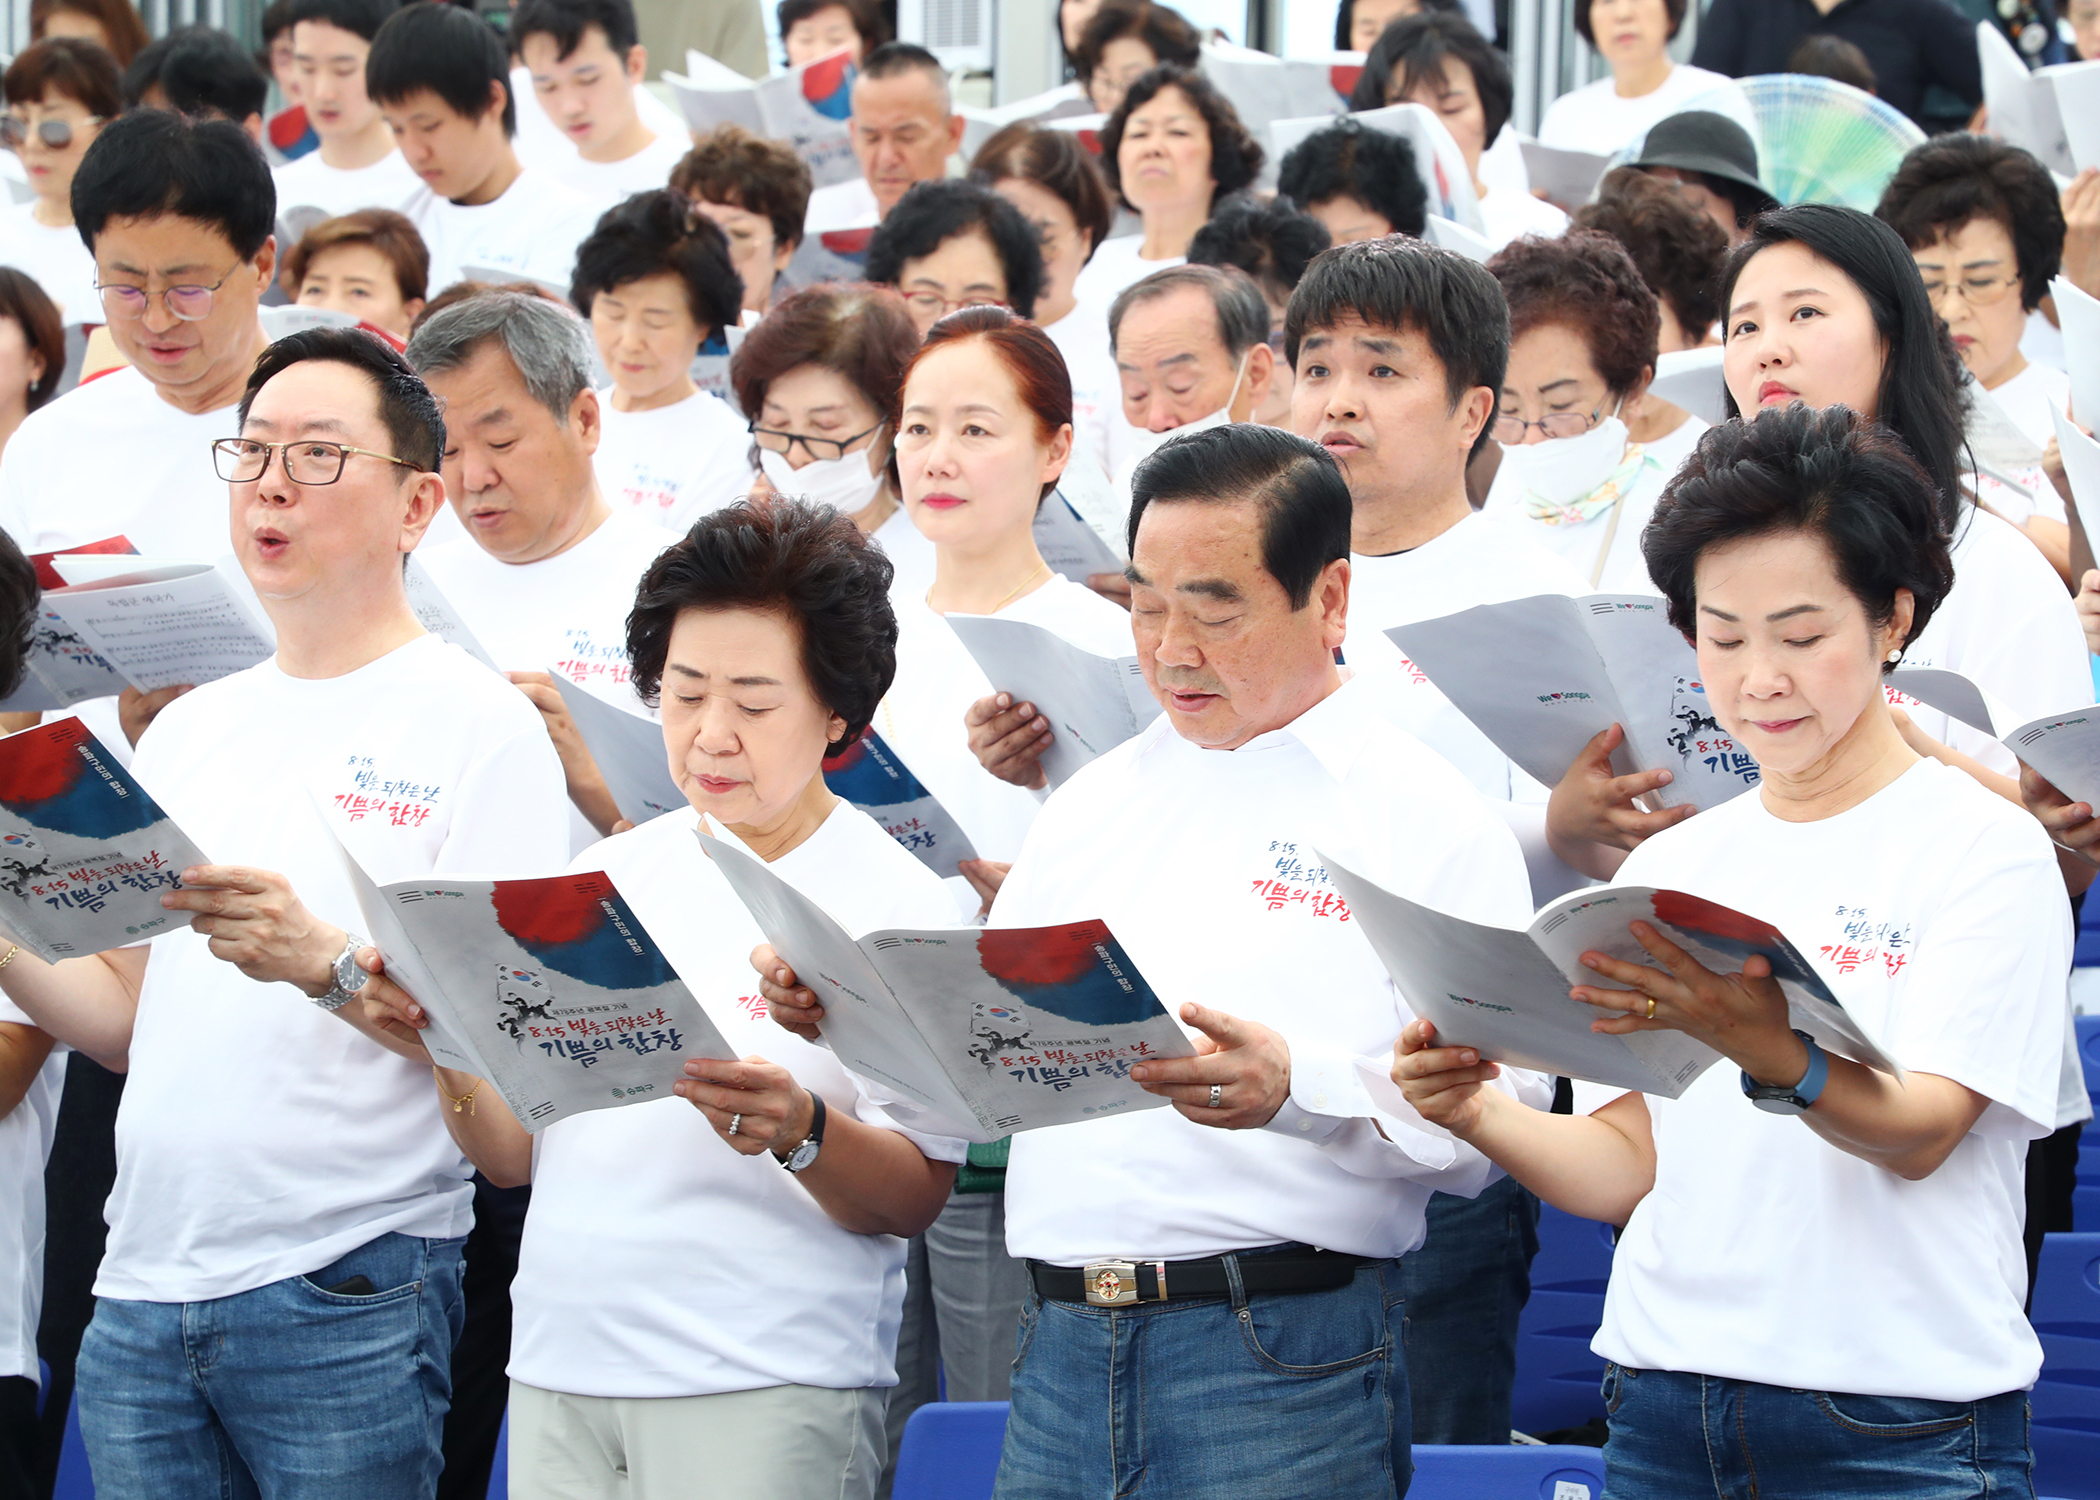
436,614
1692,379
158,624
1093,703
629,749
1264,88
869,774
1506,992
1069,545
2047,111
61,668
990,1030
2065,749
1566,176
551,989
1949,692
85,851
1540,676
807,107
2079,313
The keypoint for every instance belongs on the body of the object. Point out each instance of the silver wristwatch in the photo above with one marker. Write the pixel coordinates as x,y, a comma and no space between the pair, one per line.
804,1156
349,978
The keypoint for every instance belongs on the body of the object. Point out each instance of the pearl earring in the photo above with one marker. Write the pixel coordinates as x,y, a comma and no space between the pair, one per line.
1895,656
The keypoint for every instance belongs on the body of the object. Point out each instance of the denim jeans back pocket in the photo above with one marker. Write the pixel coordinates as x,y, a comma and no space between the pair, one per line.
1895,1417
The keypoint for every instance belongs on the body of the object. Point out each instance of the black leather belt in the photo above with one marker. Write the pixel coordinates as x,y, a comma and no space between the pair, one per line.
1125,1283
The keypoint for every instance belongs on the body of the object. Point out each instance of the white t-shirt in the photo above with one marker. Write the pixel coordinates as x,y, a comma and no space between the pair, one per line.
112,458
603,184
1478,561
1935,912
1502,167
310,182
1675,446
531,231
910,555
841,205
1595,118
2008,626
2029,398
1207,865
937,680
25,1145
1081,336
261,1137
671,465
1508,216
636,1276
542,143
55,259
1582,544
1116,264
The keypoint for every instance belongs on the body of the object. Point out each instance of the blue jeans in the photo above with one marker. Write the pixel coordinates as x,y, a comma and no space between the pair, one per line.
287,1390
1674,1435
1277,1396
1466,1288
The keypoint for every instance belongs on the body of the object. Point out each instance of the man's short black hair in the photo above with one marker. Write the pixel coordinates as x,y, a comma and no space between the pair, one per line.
152,162
1402,283
449,51
202,72
1294,482
660,232
1346,160
1829,472
932,213
18,614
1272,242
364,17
567,20
414,423
806,561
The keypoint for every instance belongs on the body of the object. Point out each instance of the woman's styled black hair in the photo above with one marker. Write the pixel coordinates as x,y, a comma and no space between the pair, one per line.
932,213
1346,160
1952,179
1273,242
1235,155
1418,45
656,232
1849,482
806,561
1921,398
1345,19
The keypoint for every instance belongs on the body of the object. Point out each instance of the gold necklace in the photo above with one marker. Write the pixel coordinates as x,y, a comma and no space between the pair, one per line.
1012,594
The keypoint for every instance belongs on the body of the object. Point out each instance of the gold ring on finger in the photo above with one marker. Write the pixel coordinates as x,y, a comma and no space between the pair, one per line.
1651,1007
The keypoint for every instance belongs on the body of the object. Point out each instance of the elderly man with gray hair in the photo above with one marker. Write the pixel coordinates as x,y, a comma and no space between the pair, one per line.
1191,346
547,571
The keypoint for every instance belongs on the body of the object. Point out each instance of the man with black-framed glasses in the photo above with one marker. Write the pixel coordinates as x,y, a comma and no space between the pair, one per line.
282,1289
178,214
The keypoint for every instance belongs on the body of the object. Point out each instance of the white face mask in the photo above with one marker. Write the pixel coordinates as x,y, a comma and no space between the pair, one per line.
1143,442
1562,471
845,483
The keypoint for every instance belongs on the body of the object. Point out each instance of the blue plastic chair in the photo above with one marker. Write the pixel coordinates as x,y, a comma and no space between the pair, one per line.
1557,1375
74,1482
2066,1400
2085,1196
950,1451
1507,1473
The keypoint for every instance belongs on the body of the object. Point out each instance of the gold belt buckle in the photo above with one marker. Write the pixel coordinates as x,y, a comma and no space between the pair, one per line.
1111,1283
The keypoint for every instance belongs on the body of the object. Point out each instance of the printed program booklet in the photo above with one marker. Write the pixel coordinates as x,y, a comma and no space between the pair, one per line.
2065,749
551,989
1505,992
63,669
871,776
629,749
1540,676
1068,545
808,107
989,1030
161,623
85,851
1093,703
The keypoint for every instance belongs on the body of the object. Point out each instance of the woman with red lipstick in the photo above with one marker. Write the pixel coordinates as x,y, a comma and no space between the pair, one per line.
709,1287
1633,38
58,95
1818,1287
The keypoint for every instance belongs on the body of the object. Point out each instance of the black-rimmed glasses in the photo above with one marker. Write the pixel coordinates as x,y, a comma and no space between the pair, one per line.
816,447
1509,430
306,461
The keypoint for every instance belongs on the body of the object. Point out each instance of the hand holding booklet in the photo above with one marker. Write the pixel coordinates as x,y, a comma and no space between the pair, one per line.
85,852
550,989
988,1030
1093,703
1505,993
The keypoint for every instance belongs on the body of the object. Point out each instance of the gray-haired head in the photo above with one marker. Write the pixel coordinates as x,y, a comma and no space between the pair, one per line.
1243,315
545,341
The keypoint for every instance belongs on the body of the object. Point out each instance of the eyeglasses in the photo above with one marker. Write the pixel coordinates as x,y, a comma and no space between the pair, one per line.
1976,291
307,461
57,134
818,448
933,306
192,304
1510,430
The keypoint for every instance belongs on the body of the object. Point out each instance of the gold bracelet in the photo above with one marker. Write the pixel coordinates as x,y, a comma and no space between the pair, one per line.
460,1102
12,950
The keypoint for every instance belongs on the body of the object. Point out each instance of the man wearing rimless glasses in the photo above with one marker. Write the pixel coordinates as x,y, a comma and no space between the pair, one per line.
178,214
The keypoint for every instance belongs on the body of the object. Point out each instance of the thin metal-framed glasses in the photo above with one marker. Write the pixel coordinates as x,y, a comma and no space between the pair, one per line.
15,131
1977,291
192,304
1509,429
933,305
816,447
306,460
